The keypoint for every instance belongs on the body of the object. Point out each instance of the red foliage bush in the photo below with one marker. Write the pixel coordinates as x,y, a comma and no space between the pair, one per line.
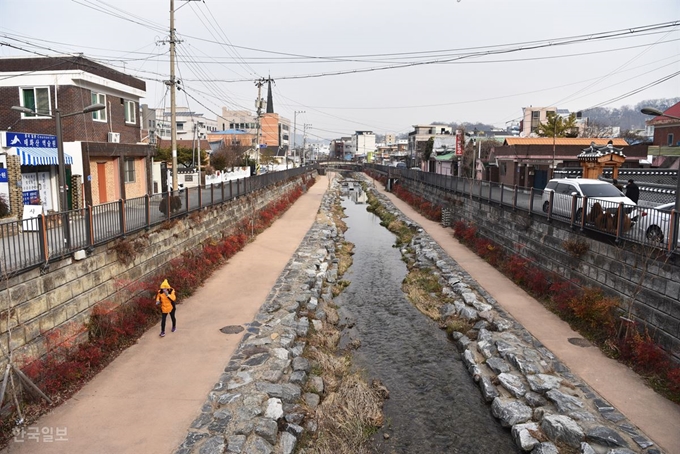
113,327
561,292
643,353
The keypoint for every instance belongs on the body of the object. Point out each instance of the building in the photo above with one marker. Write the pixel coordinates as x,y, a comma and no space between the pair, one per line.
190,125
275,132
363,143
529,161
665,148
105,159
418,138
532,117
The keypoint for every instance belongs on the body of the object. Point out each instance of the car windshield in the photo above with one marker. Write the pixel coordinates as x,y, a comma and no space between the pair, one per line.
600,190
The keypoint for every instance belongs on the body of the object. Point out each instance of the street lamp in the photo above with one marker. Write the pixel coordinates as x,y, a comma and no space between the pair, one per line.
658,113
63,200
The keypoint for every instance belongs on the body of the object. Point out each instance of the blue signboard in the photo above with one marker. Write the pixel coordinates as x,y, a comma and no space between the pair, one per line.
3,175
31,197
24,140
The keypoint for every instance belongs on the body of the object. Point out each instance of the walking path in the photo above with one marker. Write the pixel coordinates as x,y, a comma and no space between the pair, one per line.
145,400
656,416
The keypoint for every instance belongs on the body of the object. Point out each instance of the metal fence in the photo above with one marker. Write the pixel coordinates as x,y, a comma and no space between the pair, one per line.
639,224
38,241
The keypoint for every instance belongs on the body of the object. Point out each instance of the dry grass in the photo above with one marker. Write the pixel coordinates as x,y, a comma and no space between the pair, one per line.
458,325
424,291
348,418
344,253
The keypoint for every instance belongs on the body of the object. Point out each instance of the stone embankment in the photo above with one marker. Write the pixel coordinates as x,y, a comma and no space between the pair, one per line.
259,403
547,409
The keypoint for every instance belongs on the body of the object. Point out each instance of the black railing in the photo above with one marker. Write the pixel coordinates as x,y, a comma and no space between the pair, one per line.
38,241
646,226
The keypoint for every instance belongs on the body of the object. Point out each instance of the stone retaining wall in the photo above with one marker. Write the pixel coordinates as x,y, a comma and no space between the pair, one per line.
647,279
52,307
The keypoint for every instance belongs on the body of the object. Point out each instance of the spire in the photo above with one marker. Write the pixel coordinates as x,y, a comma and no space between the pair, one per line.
270,99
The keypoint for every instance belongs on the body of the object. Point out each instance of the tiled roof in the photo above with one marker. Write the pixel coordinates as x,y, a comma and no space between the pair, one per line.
594,152
577,141
166,143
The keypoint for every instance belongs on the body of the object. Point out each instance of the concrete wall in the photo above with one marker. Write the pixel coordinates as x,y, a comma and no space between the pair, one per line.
643,277
52,307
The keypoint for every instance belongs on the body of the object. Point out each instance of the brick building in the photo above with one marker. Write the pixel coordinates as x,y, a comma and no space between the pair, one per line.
105,160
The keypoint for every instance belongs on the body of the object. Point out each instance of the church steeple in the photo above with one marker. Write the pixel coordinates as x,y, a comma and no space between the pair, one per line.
270,99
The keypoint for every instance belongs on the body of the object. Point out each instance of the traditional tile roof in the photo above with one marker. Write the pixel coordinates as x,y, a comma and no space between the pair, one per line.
577,141
595,152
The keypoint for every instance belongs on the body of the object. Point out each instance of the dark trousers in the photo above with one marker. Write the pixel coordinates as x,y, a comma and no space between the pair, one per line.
172,317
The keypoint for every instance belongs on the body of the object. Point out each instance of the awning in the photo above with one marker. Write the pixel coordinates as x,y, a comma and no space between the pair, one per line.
41,157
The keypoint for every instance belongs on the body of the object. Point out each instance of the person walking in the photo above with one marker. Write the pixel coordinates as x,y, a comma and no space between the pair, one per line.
166,298
618,185
632,191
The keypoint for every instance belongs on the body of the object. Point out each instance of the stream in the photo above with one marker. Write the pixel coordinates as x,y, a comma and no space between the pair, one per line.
434,405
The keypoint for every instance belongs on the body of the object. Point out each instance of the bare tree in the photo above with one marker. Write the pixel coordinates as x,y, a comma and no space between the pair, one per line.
228,156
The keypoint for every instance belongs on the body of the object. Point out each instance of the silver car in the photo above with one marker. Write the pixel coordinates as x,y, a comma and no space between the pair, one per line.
655,223
601,192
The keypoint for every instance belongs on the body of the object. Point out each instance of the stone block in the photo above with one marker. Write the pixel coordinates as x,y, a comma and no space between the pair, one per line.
510,411
267,429
521,433
564,429
512,383
31,309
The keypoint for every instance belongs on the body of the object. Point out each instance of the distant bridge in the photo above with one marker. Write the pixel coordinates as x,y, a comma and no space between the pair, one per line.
338,166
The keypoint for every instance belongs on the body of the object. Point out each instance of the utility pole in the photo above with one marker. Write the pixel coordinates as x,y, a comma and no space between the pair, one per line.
173,108
173,86
295,131
304,140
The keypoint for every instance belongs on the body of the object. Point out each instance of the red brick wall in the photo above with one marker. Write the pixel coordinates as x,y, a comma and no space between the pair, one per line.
75,128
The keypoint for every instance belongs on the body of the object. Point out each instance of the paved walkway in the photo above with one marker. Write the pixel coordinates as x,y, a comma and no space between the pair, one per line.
656,416
147,398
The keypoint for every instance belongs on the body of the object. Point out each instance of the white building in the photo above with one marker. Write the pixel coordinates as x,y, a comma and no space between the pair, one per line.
363,142
190,125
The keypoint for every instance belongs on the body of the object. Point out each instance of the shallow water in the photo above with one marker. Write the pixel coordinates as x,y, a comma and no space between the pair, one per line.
434,406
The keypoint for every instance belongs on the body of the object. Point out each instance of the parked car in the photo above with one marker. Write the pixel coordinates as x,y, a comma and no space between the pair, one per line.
400,165
601,192
655,223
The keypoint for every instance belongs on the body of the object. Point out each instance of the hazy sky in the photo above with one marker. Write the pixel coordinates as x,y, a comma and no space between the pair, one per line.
380,65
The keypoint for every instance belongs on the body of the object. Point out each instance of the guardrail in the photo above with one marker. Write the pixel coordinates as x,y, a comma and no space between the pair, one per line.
643,225
30,243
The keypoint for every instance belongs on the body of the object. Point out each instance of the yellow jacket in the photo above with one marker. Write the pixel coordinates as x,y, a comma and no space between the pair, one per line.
166,301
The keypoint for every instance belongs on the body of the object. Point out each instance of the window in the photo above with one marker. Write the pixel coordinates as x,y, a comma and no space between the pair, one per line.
36,99
670,140
129,170
130,112
99,98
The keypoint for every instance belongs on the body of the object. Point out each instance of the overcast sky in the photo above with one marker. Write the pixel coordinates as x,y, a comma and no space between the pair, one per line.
380,65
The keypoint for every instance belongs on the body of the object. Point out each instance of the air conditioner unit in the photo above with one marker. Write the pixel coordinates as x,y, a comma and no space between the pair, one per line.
114,137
